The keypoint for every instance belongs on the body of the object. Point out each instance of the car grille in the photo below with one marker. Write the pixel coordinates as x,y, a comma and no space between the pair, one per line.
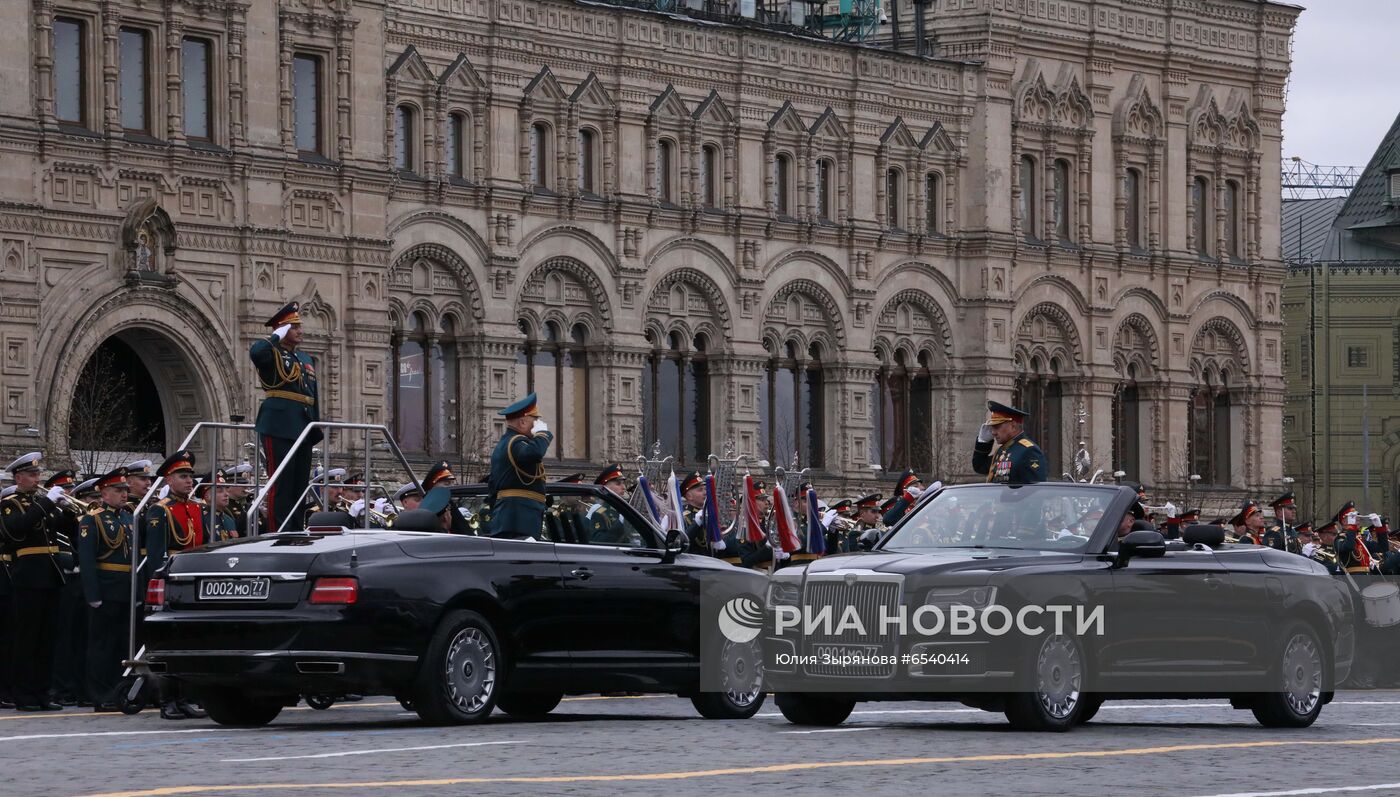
867,593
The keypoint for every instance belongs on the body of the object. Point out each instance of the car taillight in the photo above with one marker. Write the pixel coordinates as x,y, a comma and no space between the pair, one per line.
155,593
335,590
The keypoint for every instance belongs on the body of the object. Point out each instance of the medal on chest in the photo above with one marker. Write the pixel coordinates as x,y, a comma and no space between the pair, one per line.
1001,471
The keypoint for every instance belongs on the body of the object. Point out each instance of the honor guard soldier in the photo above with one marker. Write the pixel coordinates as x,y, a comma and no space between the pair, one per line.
105,561
1249,523
28,519
738,548
517,479
211,490
605,524
692,490
1281,533
906,492
290,403
868,528
1018,460
174,523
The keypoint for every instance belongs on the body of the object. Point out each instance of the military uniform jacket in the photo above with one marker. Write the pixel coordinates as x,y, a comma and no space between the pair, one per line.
1347,557
226,528
695,532
27,525
901,508
516,483
1274,537
288,380
173,524
605,526
104,554
1020,461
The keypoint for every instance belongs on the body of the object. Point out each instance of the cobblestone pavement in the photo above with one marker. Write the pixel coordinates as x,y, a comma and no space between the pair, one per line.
658,745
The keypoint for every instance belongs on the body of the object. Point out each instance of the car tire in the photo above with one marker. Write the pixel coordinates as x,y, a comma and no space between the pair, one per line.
728,705
239,710
1058,671
809,708
1301,670
1092,704
461,671
320,702
528,705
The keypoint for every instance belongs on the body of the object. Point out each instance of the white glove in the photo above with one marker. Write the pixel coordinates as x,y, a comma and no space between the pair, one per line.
828,516
1375,519
381,505
1171,509
1350,519
540,426
164,491
281,332
700,518
780,554
95,604
984,435
914,492
55,493
719,546
357,508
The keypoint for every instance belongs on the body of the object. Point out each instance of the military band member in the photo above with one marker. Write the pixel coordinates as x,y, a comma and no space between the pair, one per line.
327,492
1017,460
692,489
836,518
906,492
517,479
67,685
1325,549
407,497
1280,534
7,694
211,489
290,403
28,519
1352,555
1378,538
105,561
604,523
868,527
739,549
1305,539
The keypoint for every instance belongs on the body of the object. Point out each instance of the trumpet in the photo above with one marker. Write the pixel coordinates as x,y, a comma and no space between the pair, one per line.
75,506
842,524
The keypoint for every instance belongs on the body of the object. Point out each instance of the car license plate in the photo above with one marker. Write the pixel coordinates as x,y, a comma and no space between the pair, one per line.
234,589
852,654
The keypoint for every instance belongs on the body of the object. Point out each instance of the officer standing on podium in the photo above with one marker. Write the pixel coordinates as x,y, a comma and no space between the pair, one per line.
1018,460
516,483
290,403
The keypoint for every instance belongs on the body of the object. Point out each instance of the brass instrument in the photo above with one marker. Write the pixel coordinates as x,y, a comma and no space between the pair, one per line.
1325,554
842,524
74,506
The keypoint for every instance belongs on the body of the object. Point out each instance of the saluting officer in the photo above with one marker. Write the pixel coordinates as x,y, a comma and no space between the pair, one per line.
1018,460
517,479
104,557
28,519
605,525
906,492
290,403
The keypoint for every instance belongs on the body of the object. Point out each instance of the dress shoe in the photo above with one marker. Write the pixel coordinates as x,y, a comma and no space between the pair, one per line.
171,711
190,710
106,708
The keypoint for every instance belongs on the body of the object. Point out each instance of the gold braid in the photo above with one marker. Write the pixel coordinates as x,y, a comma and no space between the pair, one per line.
112,544
175,528
524,476
287,377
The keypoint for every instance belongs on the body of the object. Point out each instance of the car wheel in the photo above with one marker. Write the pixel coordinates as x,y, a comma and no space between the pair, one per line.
731,705
239,710
461,671
742,681
1092,704
320,702
1299,671
808,708
1057,671
528,704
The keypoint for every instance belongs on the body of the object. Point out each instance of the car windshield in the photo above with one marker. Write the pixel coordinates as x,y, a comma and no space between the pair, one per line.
1042,517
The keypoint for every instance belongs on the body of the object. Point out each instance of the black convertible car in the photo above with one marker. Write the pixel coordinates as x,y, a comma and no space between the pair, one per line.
453,625
1143,616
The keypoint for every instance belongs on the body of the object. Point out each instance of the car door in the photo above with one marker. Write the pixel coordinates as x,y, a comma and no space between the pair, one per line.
633,613
1166,619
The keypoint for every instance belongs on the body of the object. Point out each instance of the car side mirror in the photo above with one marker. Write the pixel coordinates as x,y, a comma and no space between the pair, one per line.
1144,544
676,544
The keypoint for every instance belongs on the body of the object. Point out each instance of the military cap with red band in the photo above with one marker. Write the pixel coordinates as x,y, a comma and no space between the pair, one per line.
287,315
608,474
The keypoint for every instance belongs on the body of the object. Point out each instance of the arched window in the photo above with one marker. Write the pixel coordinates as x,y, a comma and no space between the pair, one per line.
812,392
1200,209
1029,203
1232,220
676,397
933,194
539,155
665,170
410,388
894,199
587,160
456,145
1127,448
904,413
709,175
1210,431
1132,195
555,368
792,418
442,401
404,145
1063,198
826,171
782,184
1039,392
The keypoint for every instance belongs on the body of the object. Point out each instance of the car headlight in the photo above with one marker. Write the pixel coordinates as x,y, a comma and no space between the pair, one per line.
784,594
972,597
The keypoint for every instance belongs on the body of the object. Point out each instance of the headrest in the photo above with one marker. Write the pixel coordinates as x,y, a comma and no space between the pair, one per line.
342,519
417,520
1143,525
1210,536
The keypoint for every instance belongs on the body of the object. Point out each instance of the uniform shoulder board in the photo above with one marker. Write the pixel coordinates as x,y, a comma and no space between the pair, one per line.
1028,444
96,509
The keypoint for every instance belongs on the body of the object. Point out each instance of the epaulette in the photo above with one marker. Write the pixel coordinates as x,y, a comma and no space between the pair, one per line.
1028,444
97,509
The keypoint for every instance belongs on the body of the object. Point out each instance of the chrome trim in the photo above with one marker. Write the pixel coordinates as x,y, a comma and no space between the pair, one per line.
283,654
236,574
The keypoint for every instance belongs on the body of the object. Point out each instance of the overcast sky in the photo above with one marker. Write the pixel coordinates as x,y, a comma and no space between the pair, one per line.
1343,97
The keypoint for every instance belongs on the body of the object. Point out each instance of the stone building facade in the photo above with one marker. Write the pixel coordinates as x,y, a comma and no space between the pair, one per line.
676,231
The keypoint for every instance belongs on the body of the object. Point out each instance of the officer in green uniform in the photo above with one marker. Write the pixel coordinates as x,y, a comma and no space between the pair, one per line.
906,492
211,489
290,403
104,562
28,519
1280,534
868,526
692,490
1018,460
605,524
517,479
70,634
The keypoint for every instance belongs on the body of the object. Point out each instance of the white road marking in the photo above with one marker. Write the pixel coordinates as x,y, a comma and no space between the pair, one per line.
1318,790
364,752
834,730
120,733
